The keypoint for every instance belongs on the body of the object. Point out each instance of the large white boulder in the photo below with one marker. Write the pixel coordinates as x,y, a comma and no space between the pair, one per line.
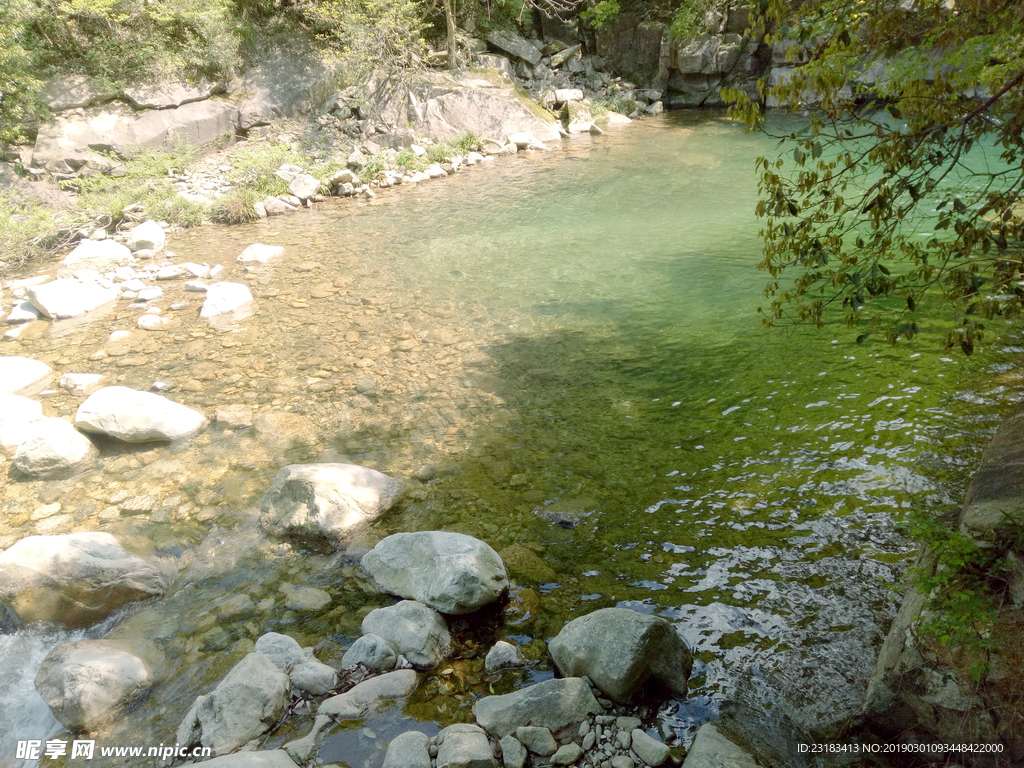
70,297
17,414
325,499
87,682
137,417
270,758
412,629
74,580
148,235
620,650
23,376
258,253
226,300
99,255
451,572
53,447
244,705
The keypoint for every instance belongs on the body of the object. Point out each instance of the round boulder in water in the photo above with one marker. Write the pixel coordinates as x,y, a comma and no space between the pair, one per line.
74,580
325,500
620,650
132,416
86,682
53,448
451,572
412,629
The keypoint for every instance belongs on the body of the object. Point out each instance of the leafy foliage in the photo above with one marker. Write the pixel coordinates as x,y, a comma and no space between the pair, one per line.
124,41
371,34
18,84
601,13
688,21
910,180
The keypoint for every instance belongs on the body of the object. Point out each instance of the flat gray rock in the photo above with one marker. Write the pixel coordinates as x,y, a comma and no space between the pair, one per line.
167,95
53,448
514,44
369,695
649,749
271,758
87,682
711,749
132,416
551,704
620,650
325,500
451,572
244,705
100,255
464,745
69,297
412,629
23,376
74,580
408,750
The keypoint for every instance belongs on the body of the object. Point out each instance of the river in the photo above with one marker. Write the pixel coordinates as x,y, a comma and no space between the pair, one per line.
570,339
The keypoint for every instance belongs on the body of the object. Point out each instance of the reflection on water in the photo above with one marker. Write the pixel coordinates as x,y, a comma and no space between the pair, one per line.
571,338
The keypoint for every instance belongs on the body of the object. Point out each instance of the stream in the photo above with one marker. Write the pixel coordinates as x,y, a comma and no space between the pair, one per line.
568,342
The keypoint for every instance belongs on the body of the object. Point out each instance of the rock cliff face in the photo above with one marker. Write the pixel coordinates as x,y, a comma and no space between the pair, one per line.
691,73
924,689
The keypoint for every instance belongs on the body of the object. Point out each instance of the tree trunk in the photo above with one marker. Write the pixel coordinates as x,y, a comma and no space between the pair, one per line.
453,45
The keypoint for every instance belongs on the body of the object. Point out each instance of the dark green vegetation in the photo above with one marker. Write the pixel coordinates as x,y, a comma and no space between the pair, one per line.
908,182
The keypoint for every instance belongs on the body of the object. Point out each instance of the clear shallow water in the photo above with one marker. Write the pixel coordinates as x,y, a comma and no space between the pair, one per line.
569,337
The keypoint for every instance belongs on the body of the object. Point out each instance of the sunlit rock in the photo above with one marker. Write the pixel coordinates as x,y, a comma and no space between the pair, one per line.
148,235
75,579
52,448
325,499
100,255
138,417
23,376
245,704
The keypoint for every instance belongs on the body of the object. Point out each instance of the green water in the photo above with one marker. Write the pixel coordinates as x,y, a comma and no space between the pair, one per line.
571,338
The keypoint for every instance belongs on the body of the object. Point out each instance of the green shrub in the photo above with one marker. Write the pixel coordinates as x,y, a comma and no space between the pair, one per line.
371,34
689,20
467,142
604,12
236,208
439,152
256,163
